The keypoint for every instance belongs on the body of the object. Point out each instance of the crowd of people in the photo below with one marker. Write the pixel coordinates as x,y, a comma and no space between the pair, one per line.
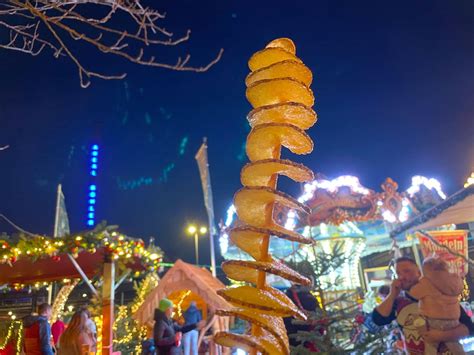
425,305
77,338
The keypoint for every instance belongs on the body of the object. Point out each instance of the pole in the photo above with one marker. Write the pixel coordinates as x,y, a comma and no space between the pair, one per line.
196,247
108,305
415,251
213,253
55,235
56,217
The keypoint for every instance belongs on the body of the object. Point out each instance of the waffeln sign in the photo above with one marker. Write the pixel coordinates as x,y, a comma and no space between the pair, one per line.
456,240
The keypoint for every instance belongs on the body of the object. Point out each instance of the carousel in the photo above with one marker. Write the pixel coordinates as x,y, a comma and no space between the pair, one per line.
347,216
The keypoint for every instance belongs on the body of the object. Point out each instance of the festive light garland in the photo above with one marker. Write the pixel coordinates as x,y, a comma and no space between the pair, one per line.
470,180
98,322
61,299
121,247
148,284
19,336
132,330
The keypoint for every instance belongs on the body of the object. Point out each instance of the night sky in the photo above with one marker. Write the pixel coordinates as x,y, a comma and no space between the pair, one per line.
394,84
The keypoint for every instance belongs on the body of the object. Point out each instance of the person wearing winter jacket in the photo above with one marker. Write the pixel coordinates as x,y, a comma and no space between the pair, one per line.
37,332
166,333
190,340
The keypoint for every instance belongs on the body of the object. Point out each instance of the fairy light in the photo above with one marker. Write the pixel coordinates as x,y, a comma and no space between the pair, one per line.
470,180
120,246
465,292
60,301
431,184
15,331
99,324
224,243
19,342
180,303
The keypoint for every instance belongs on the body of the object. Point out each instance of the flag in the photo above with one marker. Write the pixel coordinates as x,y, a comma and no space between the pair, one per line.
203,165
61,223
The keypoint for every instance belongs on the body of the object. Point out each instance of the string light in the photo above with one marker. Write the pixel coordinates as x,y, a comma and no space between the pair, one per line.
180,303
60,301
465,292
417,181
121,247
98,322
15,331
470,180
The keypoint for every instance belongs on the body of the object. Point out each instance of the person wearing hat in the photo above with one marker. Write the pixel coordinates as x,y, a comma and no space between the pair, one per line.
166,333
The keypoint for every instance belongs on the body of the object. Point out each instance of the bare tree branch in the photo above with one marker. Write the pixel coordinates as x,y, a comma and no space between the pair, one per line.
38,25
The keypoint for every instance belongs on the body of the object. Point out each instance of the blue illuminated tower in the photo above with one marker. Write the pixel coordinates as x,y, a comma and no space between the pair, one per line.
92,193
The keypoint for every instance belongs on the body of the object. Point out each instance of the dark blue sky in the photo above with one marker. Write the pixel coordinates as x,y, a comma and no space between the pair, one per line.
394,87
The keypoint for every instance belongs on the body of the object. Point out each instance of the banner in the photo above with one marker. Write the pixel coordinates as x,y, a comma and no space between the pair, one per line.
456,240
203,165
61,223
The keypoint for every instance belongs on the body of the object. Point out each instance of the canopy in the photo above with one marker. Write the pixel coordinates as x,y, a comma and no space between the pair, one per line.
456,209
183,276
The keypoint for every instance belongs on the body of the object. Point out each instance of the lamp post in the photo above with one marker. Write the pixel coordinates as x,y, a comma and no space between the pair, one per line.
195,231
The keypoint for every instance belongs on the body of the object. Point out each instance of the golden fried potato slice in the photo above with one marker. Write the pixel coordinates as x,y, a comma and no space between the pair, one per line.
247,271
267,301
250,239
260,173
251,205
265,344
273,325
283,43
269,56
293,113
285,69
242,341
277,91
265,141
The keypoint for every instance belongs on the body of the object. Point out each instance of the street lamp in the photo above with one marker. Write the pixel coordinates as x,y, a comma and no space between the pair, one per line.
195,231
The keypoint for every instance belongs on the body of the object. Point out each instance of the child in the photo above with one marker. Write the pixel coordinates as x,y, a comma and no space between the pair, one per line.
438,295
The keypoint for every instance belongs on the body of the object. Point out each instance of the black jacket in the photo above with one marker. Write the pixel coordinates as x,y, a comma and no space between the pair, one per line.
164,333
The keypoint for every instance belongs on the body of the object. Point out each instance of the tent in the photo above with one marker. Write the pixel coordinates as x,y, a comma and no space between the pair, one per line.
184,276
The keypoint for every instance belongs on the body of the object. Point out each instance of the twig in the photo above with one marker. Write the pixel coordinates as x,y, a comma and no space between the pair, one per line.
36,25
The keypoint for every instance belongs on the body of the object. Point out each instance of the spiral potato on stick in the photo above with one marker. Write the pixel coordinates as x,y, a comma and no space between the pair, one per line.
278,89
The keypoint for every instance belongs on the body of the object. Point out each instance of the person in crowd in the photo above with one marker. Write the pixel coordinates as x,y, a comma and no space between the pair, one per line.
166,333
90,322
438,294
403,308
57,329
37,332
77,338
383,292
190,340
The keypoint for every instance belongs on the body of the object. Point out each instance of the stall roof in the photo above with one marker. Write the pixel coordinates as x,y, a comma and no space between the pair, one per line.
456,209
25,271
183,276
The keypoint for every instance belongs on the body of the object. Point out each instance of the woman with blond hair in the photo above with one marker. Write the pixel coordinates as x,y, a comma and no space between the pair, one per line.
77,339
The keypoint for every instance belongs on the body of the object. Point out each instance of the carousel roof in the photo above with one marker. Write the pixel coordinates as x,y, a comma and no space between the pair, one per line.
456,209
